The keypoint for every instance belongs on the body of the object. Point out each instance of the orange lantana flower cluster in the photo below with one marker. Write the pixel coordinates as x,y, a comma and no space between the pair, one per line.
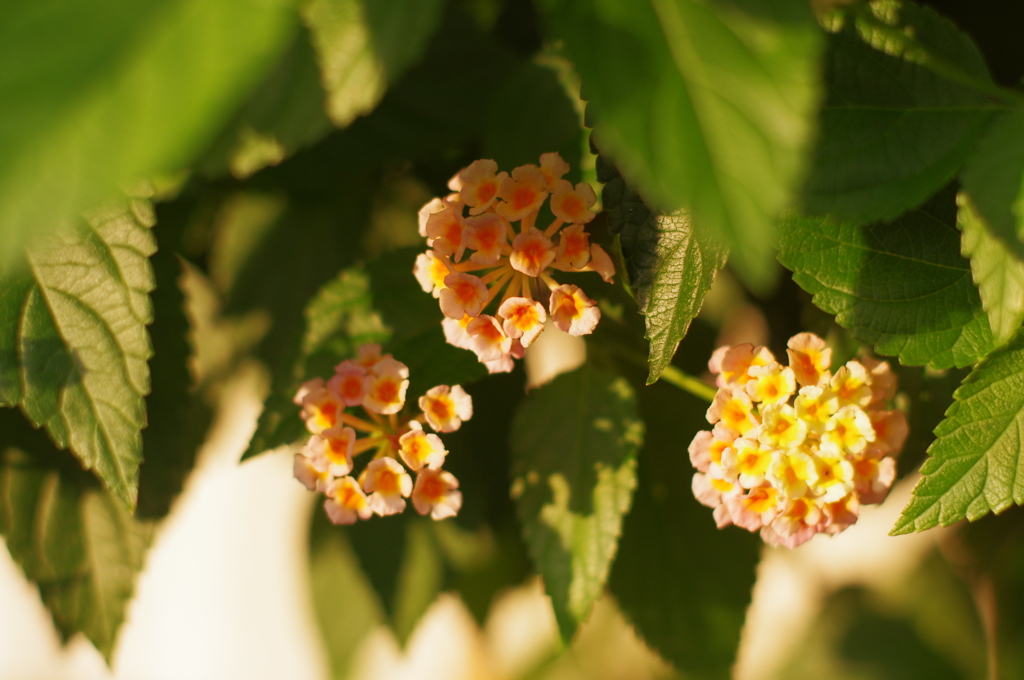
478,219
367,396
796,450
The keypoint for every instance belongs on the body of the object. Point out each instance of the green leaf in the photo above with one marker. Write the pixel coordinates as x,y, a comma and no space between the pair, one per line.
996,270
902,287
994,179
683,583
100,94
706,106
81,340
178,417
893,131
574,445
363,45
338,319
975,467
75,541
529,115
285,114
671,263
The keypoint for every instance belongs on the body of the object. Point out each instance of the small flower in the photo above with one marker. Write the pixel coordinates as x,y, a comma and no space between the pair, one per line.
487,338
572,311
573,248
734,409
524,319
419,449
780,427
331,450
479,185
851,384
444,232
749,460
430,271
835,473
387,482
346,502
465,295
873,476
369,355
601,263
532,252
311,478
435,493
487,234
435,205
756,509
306,388
771,383
707,446
792,473
445,408
321,408
809,358
890,430
455,331
522,193
733,363
553,167
385,387
572,205
849,429
347,382
815,406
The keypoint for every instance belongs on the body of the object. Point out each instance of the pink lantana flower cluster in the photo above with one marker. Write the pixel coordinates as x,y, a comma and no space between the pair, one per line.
362,408
796,450
476,253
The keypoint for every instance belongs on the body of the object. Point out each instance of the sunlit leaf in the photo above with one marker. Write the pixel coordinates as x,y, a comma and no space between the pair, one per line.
703,105
997,271
902,287
672,265
574,444
81,341
974,466
99,94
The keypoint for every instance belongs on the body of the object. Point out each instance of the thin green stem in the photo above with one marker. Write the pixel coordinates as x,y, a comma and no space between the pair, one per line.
674,376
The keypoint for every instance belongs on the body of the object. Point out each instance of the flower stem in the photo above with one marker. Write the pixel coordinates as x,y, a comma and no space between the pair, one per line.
688,383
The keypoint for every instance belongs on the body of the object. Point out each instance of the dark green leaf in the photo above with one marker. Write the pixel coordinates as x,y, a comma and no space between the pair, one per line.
975,465
994,177
81,340
684,583
338,319
703,105
362,45
100,94
998,273
177,415
902,287
531,115
75,541
671,266
574,445
892,131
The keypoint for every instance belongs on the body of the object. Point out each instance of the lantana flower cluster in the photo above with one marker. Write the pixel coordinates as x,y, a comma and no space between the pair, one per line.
361,408
796,450
476,252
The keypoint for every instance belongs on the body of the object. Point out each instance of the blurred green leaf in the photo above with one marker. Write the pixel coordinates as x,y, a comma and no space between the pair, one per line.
683,583
893,131
531,114
972,468
671,266
902,287
80,340
994,179
75,541
338,319
177,416
574,444
706,106
997,272
100,94
363,45
285,113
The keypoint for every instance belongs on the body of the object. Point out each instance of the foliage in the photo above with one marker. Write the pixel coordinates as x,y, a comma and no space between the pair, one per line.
274,154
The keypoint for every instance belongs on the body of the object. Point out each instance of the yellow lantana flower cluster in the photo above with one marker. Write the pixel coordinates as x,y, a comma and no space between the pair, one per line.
376,385
796,450
477,218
